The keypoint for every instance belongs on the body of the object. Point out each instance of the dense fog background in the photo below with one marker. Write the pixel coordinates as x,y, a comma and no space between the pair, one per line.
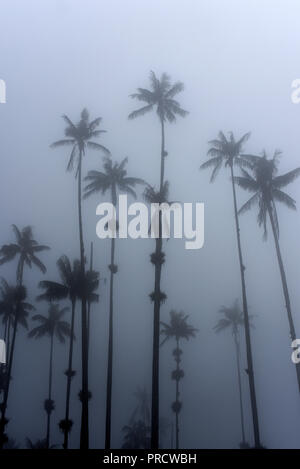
237,61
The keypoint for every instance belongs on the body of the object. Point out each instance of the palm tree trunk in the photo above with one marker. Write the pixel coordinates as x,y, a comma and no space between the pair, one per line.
49,411
284,286
237,350
110,349
89,303
250,371
177,397
156,317
69,379
10,363
84,432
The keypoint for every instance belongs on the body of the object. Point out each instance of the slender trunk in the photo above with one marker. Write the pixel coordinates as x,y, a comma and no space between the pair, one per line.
285,287
237,350
69,378
84,431
49,410
177,396
110,349
89,303
250,371
156,316
10,362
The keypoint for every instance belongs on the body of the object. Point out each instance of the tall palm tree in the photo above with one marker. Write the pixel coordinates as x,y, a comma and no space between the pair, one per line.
233,318
80,137
52,326
266,186
71,287
179,329
160,98
26,249
227,152
113,179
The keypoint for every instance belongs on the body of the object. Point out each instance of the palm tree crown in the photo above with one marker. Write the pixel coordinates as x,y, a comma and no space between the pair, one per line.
113,178
13,304
160,96
225,151
80,136
178,327
26,247
266,186
233,317
52,324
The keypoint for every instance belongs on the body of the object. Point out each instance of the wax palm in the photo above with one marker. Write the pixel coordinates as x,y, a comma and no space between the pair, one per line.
233,318
73,287
113,179
160,98
267,188
227,152
15,310
52,326
80,137
177,329
26,248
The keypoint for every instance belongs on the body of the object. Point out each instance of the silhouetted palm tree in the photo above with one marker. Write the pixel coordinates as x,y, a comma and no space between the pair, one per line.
26,249
234,319
227,152
160,98
71,287
51,325
79,136
178,328
266,186
113,179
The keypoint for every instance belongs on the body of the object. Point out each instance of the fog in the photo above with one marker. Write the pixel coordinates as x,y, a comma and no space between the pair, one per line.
237,61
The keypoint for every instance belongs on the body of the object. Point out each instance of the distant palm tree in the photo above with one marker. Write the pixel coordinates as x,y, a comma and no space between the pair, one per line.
16,310
179,329
227,152
26,248
51,325
136,435
71,287
234,319
160,98
266,186
79,136
38,444
113,179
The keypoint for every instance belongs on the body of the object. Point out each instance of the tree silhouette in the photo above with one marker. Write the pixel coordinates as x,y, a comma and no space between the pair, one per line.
179,329
233,318
114,179
52,326
71,287
227,152
266,186
80,137
160,98
26,248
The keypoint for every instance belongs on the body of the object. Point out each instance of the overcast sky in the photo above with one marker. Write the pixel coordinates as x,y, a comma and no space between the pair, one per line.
237,60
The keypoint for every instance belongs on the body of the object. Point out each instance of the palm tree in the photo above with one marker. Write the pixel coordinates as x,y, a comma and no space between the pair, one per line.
71,287
26,248
79,136
266,186
179,329
113,179
51,325
234,319
227,152
160,98
16,310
